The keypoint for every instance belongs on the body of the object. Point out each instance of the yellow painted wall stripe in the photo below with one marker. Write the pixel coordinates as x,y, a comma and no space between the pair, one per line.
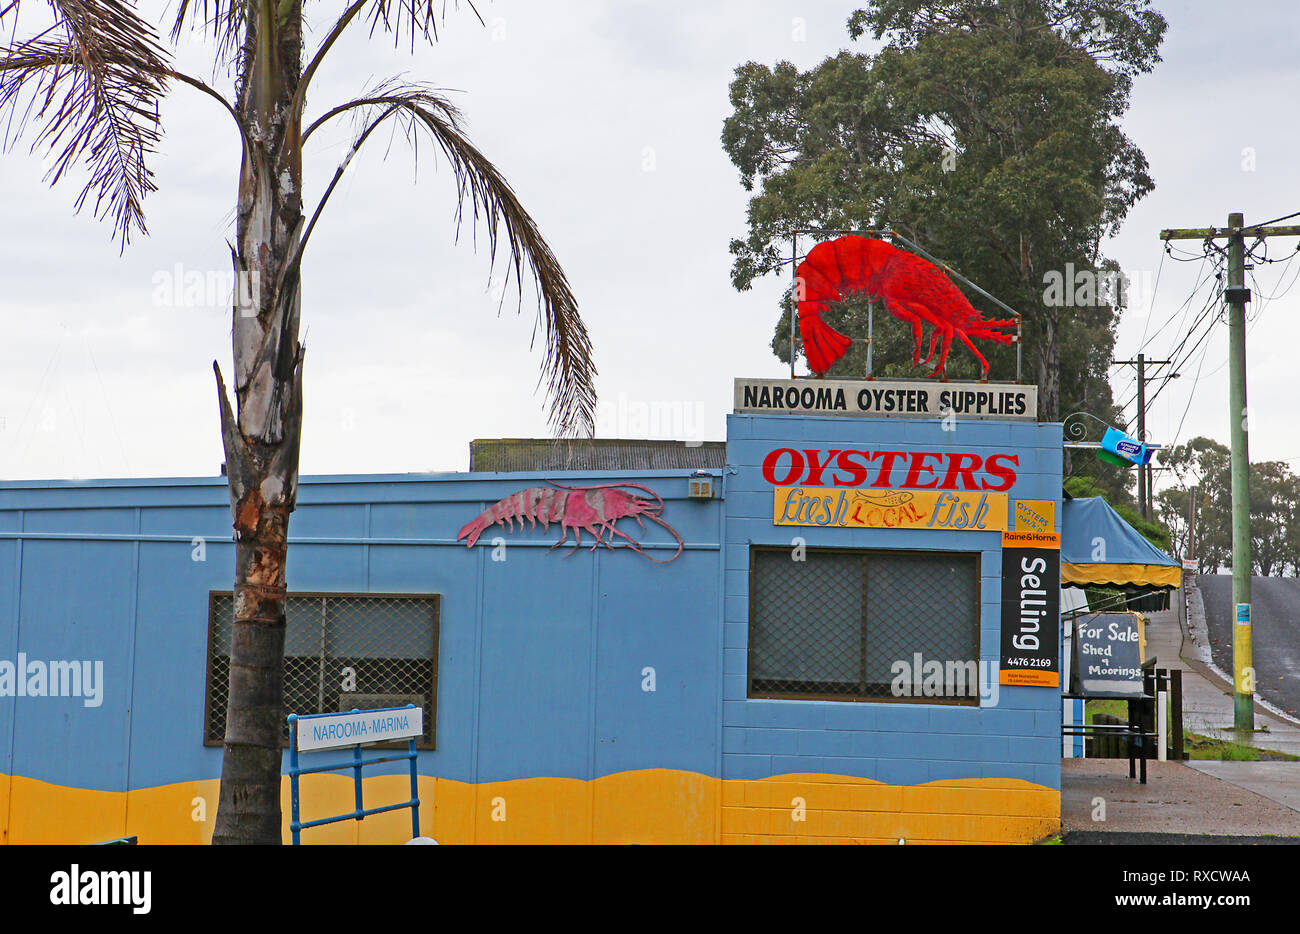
648,806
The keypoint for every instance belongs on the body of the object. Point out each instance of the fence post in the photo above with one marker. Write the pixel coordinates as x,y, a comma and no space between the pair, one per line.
1162,714
296,821
1176,703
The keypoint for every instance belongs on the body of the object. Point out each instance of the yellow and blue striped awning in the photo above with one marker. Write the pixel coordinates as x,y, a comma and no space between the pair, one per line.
1099,547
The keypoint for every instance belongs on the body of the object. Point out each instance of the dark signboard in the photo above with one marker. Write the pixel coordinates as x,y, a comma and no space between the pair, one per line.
1106,658
1031,609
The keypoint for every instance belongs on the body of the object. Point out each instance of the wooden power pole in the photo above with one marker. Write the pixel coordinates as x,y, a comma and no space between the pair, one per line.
1237,295
1145,506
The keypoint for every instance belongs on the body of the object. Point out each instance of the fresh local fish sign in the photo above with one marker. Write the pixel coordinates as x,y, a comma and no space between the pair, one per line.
890,509
890,489
331,730
886,398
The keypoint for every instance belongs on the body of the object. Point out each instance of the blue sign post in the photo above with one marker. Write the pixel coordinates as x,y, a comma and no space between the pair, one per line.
318,732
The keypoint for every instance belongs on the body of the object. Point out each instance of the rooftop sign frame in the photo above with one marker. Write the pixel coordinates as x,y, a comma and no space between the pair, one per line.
886,398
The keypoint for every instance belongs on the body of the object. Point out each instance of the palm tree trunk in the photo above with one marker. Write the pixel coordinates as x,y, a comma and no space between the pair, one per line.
261,437
263,485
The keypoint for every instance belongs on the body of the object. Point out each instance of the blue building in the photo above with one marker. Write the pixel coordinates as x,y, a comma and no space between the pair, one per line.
822,657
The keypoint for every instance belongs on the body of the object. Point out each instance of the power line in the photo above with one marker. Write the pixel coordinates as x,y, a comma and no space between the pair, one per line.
1210,302
1144,472
1205,335
1207,248
1191,394
1151,306
1200,280
1253,319
1282,275
1276,219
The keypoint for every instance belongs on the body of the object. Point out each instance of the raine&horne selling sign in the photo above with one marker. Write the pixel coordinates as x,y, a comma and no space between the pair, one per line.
332,730
1031,608
886,398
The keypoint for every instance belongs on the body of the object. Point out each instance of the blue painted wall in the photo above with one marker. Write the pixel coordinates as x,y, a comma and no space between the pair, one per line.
897,743
541,656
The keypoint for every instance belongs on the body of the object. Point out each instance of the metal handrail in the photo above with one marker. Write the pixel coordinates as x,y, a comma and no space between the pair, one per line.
360,812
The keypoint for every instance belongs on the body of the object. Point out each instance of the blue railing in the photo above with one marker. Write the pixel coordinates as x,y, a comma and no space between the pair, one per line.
361,812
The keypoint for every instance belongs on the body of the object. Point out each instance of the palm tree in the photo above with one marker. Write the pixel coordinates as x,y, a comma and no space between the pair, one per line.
89,77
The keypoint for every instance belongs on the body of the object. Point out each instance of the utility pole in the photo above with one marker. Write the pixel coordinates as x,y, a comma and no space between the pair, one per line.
1237,296
1144,472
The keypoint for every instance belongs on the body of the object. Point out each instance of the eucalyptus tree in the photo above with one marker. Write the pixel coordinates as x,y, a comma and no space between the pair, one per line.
85,77
988,131
1202,467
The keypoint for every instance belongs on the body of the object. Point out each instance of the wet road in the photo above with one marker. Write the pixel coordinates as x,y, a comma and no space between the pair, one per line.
1275,611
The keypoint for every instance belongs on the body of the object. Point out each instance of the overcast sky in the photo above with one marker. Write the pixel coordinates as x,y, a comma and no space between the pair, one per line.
606,118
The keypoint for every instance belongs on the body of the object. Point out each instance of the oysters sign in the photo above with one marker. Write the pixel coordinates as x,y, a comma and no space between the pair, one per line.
949,491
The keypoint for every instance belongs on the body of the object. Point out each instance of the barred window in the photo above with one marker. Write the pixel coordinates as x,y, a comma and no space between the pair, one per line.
341,651
864,625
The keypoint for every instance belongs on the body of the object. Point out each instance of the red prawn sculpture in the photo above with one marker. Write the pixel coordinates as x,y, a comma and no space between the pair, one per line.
913,290
594,508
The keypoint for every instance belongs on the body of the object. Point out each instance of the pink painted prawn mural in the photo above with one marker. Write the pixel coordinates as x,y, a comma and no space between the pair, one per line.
593,508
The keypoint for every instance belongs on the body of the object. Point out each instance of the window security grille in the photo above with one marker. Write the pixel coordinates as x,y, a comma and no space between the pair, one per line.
342,651
832,626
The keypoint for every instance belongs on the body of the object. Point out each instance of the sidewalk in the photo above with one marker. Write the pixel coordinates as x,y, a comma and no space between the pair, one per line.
1195,797
1098,795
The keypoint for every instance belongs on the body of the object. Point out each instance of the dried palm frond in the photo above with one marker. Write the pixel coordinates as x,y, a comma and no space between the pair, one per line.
93,79
568,369
224,19
419,16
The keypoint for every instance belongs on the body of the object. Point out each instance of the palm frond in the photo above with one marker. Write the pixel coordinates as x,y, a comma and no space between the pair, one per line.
224,19
93,80
568,368
418,17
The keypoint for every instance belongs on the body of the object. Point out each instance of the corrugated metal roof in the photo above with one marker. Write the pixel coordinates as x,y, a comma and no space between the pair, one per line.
501,455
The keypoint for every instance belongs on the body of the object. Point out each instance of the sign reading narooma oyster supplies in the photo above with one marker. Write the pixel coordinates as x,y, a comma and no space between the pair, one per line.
886,398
